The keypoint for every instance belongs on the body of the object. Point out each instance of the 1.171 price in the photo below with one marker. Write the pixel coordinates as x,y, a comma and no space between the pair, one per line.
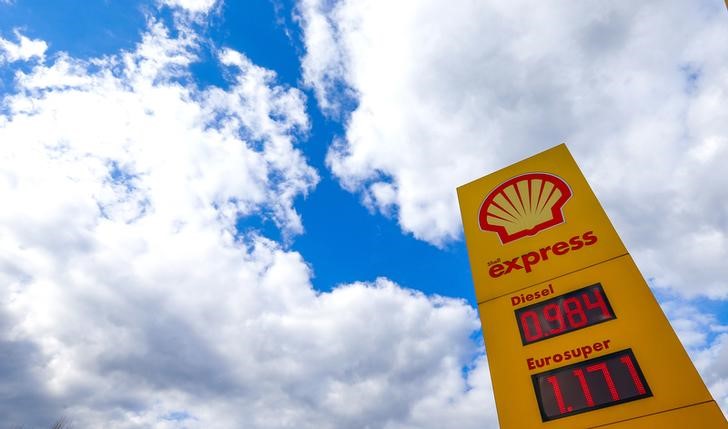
597,383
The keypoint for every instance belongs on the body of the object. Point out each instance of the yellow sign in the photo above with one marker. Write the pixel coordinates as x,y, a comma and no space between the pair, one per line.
574,337
533,221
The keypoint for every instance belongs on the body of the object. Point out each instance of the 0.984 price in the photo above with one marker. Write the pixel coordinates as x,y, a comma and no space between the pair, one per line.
565,313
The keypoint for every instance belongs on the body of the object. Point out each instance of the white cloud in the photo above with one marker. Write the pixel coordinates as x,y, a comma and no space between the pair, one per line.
193,6
706,340
714,363
128,299
445,95
25,50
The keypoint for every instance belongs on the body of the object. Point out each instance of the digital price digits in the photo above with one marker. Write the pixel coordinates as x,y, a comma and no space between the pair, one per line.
596,383
574,310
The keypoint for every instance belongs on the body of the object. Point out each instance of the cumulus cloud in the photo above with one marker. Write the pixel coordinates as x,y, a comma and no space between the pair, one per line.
24,50
443,96
192,6
706,340
129,299
713,364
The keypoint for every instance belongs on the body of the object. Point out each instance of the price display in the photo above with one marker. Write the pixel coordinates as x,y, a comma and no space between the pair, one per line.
565,313
596,383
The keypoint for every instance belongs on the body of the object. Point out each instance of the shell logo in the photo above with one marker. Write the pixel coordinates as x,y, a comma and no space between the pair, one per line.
524,205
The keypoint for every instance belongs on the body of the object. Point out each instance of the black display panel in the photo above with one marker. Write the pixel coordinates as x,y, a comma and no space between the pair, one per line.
565,313
596,383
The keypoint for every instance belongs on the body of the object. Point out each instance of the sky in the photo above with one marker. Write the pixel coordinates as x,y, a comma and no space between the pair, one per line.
223,214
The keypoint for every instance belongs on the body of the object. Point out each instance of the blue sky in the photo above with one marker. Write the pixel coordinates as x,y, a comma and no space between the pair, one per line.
220,212
266,32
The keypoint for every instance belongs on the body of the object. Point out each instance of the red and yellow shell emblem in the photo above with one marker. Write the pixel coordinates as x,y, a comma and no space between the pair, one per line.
524,205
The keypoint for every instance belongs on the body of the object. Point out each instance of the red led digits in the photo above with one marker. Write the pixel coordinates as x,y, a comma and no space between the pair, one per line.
633,373
596,383
607,378
575,313
584,387
565,313
557,393
599,302
531,328
552,313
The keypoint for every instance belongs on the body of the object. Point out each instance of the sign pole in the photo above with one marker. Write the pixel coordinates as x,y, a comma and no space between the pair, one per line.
573,334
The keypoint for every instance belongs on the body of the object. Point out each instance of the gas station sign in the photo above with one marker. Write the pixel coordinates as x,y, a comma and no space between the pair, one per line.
573,334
